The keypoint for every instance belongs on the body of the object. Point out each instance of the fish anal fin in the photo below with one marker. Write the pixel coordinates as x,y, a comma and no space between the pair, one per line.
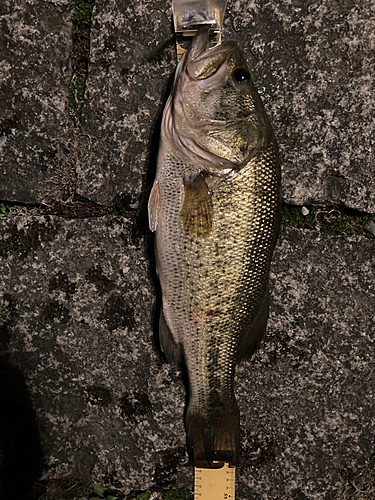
154,206
197,209
252,337
168,345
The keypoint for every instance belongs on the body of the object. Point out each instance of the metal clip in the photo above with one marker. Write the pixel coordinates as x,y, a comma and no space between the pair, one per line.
188,15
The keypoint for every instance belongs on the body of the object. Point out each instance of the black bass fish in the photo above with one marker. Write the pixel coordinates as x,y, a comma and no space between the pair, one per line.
215,210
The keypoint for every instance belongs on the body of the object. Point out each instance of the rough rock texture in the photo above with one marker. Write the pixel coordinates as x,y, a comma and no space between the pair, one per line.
307,400
35,47
314,66
77,309
76,333
311,61
132,57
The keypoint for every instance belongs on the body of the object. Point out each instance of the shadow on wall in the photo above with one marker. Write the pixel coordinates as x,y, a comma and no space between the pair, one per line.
21,455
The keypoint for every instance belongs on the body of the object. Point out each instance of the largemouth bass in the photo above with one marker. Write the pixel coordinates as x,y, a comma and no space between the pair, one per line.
215,210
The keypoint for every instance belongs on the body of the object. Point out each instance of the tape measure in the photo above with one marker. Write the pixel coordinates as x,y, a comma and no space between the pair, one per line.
215,484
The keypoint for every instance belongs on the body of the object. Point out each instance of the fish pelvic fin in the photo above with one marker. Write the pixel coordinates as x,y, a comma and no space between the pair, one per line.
168,345
213,438
154,206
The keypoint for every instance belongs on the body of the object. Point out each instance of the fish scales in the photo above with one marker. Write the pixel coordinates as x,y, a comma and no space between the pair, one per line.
216,220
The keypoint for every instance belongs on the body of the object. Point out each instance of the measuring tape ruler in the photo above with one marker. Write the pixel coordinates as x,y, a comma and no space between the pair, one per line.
215,484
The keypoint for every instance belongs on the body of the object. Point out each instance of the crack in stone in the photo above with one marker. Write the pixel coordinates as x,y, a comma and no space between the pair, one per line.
331,220
73,209
80,56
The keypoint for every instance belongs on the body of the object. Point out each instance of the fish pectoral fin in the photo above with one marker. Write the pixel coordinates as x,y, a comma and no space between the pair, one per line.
197,209
154,207
168,345
251,338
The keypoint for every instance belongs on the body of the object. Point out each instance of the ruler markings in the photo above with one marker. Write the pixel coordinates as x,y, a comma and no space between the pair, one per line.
215,484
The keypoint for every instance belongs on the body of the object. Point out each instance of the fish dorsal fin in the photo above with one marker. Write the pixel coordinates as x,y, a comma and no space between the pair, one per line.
154,206
197,209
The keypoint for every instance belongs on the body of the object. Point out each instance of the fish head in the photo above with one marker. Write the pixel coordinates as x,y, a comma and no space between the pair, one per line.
215,113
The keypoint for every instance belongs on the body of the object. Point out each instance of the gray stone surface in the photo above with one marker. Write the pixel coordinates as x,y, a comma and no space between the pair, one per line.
131,60
314,67
307,399
35,47
311,61
77,325
77,301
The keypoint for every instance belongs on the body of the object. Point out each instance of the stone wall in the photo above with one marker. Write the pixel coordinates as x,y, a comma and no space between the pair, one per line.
84,391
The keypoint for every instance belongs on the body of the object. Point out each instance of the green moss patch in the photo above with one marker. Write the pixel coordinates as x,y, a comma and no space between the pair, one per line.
177,494
328,220
80,55
5,211
83,11
76,95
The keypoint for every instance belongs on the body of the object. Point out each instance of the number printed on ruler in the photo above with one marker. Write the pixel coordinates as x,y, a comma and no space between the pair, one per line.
215,484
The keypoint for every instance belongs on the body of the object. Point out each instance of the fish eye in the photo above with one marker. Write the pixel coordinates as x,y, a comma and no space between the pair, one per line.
241,75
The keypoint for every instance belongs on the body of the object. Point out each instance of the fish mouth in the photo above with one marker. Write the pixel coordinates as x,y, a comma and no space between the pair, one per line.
199,48
199,54
207,76
204,68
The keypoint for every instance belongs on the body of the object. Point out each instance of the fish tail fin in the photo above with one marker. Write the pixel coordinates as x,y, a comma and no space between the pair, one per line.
213,438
